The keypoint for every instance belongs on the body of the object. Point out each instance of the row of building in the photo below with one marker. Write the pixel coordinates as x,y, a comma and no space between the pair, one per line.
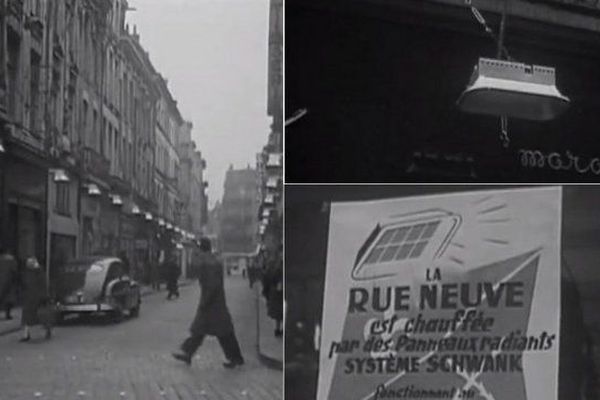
249,219
269,162
95,156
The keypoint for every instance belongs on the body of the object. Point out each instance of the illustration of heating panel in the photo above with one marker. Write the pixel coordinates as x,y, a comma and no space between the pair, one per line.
403,241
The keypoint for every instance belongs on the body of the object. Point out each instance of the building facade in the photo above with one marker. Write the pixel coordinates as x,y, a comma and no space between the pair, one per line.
237,217
89,132
269,163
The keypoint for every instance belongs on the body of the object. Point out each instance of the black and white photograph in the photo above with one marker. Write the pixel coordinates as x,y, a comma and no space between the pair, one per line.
441,292
141,199
442,91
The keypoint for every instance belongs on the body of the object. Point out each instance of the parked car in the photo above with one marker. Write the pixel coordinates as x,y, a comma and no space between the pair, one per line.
96,284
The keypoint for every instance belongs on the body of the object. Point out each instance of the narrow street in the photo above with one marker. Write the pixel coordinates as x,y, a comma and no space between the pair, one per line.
100,359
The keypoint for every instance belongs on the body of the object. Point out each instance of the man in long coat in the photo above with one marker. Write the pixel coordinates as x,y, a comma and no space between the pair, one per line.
212,317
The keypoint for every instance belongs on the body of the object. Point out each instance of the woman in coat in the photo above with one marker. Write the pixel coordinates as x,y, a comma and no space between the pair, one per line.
34,296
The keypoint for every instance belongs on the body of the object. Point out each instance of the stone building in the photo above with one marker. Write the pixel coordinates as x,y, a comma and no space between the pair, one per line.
89,132
269,162
237,218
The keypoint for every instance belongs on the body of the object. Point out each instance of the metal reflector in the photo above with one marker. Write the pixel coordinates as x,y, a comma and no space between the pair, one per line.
93,190
515,90
116,200
60,176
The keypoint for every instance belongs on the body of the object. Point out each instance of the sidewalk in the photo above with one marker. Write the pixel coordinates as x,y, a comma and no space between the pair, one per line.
270,348
10,326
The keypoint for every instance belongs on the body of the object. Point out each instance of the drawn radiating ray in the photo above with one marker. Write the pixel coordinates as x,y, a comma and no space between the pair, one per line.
495,221
457,260
496,241
493,209
459,245
483,199
450,333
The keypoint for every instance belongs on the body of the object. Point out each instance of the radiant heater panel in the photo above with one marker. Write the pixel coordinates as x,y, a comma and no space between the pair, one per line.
515,90
403,240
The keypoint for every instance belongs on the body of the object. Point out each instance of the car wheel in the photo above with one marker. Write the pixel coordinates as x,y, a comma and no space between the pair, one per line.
116,316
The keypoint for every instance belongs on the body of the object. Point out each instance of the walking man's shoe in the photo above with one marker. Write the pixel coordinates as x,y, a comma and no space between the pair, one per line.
232,364
186,358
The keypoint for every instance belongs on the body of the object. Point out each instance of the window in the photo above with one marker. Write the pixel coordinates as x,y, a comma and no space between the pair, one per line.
102,137
400,243
63,199
94,124
34,92
84,122
13,75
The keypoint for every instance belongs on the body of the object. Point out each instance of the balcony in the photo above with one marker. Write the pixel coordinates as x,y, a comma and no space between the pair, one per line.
95,164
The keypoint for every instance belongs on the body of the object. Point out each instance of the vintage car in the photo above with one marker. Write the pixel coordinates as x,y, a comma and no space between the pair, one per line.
96,284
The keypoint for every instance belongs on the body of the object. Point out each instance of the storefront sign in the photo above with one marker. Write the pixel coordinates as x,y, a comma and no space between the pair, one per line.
449,296
559,161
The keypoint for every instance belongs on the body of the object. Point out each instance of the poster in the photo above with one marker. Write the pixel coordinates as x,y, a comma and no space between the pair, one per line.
453,296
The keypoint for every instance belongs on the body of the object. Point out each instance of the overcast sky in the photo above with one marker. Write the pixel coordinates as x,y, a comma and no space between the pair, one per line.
214,55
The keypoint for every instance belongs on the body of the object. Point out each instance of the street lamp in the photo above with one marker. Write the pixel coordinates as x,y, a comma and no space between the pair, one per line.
92,189
116,200
59,175
513,89
135,210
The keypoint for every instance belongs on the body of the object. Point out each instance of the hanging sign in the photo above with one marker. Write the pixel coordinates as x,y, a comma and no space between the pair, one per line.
450,296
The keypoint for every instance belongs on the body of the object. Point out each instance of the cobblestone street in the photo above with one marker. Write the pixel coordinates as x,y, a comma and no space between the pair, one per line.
94,358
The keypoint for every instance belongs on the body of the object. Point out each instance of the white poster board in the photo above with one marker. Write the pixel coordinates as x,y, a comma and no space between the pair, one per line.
447,296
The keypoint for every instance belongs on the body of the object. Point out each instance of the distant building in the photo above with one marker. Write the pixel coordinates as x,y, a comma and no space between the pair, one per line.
238,223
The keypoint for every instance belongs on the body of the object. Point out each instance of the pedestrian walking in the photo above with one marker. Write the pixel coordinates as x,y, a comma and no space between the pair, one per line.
172,272
35,298
212,317
154,275
8,281
125,260
273,292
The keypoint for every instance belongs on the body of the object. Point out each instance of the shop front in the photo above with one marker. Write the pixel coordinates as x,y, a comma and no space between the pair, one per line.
63,222
23,213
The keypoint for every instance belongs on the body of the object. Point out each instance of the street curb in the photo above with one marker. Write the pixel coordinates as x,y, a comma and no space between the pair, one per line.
270,362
